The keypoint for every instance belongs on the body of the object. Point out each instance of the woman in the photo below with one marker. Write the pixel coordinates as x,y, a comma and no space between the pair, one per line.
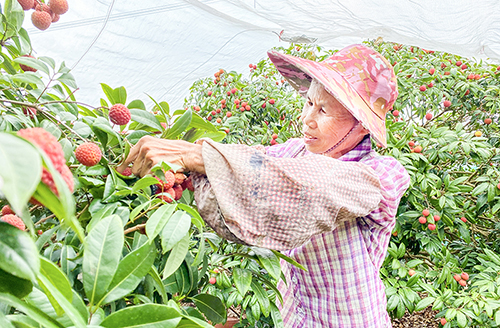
327,200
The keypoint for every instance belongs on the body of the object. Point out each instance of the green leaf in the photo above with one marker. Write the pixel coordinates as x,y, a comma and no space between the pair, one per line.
269,261
14,285
157,221
144,183
242,279
21,170
261,297
103,249
52,275
289,260
393,302
180,125
68,79
461,319
424,303
144,315
4,322
276,316
211,306
176,256
34,63
31,311
61,300
146,118
174,230
136,104
158,283
18,253
130,272
120,95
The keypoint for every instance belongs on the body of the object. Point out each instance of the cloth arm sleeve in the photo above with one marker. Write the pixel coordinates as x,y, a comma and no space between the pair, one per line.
280,203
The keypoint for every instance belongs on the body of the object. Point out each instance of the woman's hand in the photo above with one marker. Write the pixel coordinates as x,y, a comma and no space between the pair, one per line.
149,151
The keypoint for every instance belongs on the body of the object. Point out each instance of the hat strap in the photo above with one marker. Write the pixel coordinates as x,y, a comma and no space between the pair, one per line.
341,140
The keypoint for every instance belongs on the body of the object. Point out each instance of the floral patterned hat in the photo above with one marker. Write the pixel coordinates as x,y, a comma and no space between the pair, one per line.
359,77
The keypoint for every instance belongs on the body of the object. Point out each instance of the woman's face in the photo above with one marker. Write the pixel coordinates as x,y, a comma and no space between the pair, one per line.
325,120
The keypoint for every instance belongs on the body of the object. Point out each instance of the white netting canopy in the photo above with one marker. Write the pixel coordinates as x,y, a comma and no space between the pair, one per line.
162,47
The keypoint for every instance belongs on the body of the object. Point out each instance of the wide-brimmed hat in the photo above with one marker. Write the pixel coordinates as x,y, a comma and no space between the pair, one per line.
360,78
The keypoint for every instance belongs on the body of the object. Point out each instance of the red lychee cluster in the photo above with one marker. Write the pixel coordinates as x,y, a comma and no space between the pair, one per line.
88,153
119,114
44,14
53,149
174,184
14,220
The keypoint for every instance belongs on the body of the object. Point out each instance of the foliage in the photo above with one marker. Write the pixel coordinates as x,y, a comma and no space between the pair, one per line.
113,253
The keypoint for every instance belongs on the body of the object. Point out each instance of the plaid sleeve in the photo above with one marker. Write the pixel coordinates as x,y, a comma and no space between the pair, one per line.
280,203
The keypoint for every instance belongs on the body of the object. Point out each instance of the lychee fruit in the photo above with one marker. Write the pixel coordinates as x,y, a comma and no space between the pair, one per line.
178,191
26,4
274,136
465,276
272,101
7,210
168,182
411,272
423,88
273,142
428,116
422,220
417,149
431,71
188,184
53,149
487,121
457,277
447,103
26,68
212,281
463,283
179,178
41,19
29,111
395,113
264,105
229,114
436,218
443,321
127,172
59,7
463,219
426,212
166,198
56,18
88,153
119,114
431,227
411,143
15,220
478,133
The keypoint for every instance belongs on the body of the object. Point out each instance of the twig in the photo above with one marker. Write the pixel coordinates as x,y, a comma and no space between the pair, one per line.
134,228
45,219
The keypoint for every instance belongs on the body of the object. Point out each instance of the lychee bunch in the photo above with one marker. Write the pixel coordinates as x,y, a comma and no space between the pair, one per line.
44,14
88,153
53,149
15,220
7,210
167,183
127,172
166,198
119,114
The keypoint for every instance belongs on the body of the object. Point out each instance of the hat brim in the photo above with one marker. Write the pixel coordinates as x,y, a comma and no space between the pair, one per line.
299,72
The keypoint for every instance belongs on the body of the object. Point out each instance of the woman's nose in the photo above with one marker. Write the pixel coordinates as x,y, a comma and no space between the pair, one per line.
308,119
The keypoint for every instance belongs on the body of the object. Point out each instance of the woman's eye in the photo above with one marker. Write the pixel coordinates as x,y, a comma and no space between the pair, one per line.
310,103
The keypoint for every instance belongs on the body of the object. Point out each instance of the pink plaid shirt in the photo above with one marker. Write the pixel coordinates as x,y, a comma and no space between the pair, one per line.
334,217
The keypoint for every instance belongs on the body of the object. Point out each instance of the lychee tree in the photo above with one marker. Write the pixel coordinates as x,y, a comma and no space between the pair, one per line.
444,252
82,245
